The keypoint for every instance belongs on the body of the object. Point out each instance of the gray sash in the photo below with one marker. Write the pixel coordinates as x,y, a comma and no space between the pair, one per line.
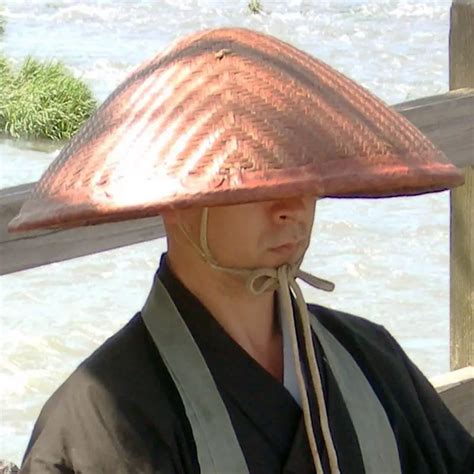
376,439
217,446
218,449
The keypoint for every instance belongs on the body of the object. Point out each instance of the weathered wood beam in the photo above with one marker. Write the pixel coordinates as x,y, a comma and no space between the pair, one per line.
23,251
461,74
456,389
447,119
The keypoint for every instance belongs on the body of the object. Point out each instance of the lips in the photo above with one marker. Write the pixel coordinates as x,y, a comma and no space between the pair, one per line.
286,247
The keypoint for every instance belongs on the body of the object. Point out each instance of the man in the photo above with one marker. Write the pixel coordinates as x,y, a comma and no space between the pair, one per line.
232,136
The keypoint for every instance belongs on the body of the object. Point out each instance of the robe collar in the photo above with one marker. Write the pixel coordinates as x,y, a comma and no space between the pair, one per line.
248,390
239,378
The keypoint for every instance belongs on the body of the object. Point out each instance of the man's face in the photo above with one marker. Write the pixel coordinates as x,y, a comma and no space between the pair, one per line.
255,235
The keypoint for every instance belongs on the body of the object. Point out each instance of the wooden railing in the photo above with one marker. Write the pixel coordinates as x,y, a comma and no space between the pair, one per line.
447,119
461,74
457,391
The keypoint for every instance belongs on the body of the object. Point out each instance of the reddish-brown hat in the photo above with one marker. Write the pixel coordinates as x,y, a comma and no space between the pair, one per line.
230,116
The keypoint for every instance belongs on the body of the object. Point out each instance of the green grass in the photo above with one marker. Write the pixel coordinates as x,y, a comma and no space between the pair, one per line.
3,21
42,100
255,7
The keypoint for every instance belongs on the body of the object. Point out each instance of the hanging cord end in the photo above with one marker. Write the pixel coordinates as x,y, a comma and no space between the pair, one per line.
316,282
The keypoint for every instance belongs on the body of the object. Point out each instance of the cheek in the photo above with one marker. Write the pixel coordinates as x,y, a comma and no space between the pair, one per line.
190,219
310,214
234,238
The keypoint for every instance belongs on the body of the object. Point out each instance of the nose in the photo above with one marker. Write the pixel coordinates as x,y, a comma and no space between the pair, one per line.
293,209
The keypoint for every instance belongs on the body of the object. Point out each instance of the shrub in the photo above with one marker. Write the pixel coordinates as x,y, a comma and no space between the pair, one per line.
255,6
42,100
3,21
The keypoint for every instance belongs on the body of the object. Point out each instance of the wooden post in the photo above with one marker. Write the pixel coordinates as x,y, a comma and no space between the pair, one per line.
461,74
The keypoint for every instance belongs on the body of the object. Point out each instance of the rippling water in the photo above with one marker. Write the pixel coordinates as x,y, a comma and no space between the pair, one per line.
388,258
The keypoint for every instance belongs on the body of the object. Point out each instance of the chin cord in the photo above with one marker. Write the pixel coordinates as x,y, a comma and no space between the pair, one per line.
283,279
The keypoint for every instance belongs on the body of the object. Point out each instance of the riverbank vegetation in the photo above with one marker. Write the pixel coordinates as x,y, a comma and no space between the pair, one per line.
255,7
2,21
42,100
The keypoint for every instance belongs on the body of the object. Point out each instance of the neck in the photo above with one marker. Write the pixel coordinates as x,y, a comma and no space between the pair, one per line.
248,319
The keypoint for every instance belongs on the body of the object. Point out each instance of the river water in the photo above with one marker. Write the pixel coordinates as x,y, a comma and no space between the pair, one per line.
389,258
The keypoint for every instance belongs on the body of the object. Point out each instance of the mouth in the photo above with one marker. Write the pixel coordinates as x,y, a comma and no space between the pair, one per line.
288,247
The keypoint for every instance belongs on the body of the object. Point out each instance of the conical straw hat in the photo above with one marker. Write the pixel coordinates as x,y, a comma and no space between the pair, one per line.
231,116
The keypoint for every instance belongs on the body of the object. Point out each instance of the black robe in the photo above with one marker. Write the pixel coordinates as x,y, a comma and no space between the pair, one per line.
120,412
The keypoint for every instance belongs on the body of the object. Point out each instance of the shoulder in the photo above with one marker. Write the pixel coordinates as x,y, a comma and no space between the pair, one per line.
119,360
126,368
326,315
350,329
375,350
412,405
126,354
115,403
104,375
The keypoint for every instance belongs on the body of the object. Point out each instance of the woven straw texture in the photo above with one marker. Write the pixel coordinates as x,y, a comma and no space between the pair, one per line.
230,116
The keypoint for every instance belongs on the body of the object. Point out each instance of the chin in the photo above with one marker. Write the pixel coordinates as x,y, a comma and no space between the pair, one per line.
272,258
277,259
